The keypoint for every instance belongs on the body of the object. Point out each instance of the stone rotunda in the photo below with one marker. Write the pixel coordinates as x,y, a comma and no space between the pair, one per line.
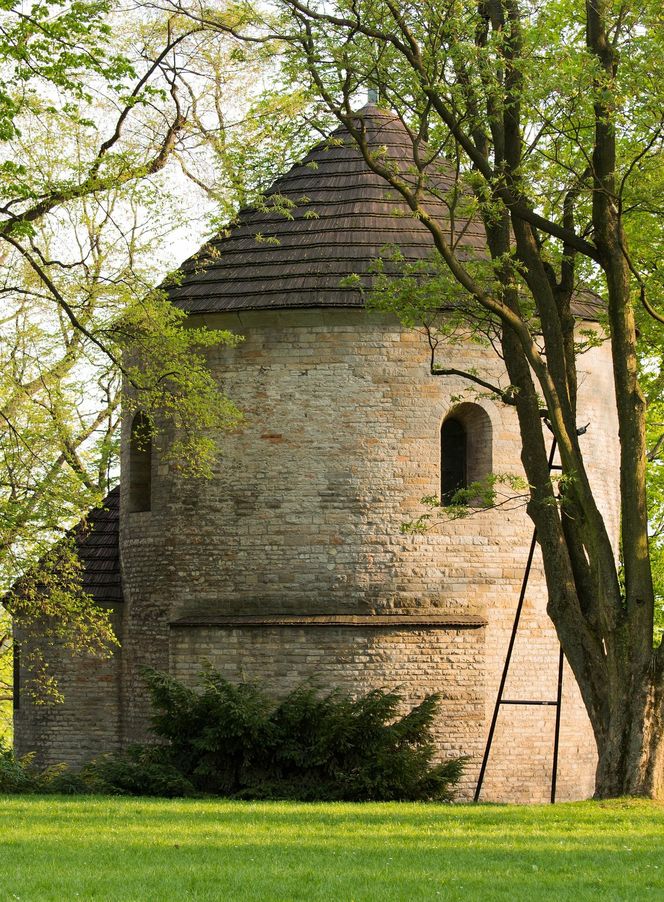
290,563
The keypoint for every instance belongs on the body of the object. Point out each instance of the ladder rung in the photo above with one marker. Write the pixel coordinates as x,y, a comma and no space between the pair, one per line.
526,701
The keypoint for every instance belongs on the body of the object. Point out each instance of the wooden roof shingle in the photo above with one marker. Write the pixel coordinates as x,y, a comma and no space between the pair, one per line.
343,214
97,544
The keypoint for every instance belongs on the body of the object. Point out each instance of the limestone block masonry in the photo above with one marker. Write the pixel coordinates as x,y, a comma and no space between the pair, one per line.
290,564
303,519
87,723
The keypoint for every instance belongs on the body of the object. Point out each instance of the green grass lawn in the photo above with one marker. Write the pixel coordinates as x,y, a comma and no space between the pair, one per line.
107,848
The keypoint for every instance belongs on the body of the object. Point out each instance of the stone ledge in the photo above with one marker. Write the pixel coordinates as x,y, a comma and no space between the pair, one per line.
375,621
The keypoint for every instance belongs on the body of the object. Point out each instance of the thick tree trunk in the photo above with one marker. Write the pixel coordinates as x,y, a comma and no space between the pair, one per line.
631,745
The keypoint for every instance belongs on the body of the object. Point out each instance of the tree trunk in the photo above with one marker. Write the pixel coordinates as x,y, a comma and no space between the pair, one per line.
631,748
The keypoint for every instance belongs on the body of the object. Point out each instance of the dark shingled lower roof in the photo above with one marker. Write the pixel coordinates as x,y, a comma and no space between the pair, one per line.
97,543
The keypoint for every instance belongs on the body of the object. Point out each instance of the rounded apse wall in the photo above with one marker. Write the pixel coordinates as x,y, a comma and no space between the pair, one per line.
340,442
303,519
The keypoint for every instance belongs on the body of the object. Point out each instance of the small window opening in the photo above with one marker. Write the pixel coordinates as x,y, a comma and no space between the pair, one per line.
16,688
140,464
454,471
466,452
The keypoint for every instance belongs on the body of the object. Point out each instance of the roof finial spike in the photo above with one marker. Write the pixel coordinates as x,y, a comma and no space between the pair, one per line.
372,94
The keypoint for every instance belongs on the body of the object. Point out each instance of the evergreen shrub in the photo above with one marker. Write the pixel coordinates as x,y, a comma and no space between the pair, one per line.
20,775
234,740
140,770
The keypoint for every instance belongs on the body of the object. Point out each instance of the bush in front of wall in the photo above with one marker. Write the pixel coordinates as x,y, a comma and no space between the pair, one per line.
16,775
234,740
21,776
142,770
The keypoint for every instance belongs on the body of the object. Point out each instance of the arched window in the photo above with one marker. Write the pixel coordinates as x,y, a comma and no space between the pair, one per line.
453,475
466,453
140,464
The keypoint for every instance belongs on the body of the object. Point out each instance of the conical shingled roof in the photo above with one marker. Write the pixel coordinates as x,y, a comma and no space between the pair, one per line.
343,215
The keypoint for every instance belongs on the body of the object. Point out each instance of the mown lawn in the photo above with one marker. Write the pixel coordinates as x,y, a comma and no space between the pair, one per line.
106,848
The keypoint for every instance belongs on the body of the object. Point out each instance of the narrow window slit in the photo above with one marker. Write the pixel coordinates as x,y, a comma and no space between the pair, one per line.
454,475
140,464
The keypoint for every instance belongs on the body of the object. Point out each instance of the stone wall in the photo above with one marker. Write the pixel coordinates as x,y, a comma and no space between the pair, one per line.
87,723
303,517
355,658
